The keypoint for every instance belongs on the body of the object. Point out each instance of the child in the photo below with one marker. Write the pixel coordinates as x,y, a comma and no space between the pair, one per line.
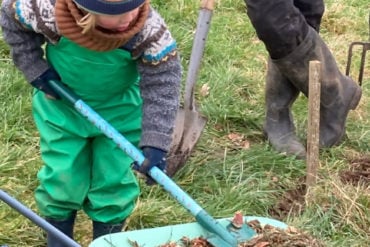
119,57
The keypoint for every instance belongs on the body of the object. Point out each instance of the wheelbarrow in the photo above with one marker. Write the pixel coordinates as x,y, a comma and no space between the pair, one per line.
365,47
153,237
217,234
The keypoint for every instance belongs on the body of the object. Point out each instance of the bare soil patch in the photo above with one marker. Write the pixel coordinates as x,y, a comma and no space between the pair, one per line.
358,173
292,202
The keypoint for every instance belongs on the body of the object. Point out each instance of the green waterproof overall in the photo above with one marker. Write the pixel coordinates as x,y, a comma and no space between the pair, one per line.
83,169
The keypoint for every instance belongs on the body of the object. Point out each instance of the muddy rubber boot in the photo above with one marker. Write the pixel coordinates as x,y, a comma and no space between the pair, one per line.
100,229
279,128
339,93
65,226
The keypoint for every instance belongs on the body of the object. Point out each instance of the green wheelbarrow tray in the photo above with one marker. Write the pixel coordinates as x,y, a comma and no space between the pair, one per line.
154,237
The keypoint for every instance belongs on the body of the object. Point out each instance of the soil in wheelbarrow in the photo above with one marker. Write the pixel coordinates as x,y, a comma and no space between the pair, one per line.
267,236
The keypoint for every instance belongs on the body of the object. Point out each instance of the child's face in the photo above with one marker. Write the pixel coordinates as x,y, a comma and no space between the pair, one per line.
118,23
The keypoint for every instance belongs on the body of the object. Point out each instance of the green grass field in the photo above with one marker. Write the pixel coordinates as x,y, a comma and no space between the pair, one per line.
233,167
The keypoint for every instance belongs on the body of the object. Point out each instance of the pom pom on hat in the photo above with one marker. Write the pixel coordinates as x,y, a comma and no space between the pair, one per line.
109,7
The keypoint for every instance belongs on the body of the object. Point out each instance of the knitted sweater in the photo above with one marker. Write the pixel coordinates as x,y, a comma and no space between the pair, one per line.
27,25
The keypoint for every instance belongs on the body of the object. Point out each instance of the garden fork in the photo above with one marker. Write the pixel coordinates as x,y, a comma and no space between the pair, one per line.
365,47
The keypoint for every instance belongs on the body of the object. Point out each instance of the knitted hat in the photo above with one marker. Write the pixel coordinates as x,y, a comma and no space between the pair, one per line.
109,7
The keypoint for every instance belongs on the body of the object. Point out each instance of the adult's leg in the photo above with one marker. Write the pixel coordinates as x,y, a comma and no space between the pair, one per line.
273,21
292,43
339,93
312,10
279,128
279,25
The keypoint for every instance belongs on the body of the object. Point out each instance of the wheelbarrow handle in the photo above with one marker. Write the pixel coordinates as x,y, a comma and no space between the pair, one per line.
27,212
160,177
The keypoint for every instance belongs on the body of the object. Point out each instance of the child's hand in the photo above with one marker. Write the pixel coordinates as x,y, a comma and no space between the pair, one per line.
42,83
153,157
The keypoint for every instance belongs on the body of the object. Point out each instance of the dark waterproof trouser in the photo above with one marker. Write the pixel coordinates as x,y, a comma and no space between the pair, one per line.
282,24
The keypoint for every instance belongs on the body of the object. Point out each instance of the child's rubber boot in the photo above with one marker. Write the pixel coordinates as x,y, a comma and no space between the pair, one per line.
65,226
100,228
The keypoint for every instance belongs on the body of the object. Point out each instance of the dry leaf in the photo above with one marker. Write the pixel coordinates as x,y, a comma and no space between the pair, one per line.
235,137
292,229
204,91
262,244
246,144
238,139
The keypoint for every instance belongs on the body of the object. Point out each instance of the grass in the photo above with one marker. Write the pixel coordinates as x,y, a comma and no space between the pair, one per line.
224,175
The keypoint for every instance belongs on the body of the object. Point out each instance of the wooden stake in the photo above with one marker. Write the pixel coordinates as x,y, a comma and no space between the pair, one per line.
313,122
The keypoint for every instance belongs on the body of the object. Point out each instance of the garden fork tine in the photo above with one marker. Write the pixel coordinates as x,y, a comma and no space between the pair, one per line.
365,48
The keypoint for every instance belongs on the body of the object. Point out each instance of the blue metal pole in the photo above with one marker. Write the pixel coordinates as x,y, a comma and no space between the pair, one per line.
50,229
